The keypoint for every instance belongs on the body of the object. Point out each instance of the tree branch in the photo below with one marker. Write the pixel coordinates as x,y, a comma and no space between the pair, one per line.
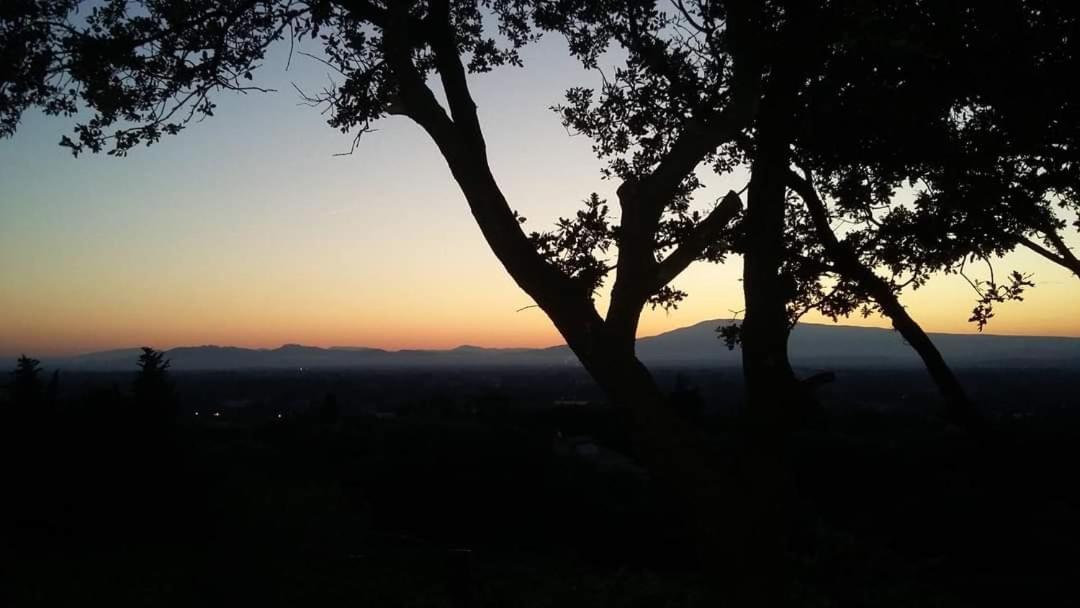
1071,261
697,139
1073,265
643,199
460,141
453,76
702,235
365,11
416,98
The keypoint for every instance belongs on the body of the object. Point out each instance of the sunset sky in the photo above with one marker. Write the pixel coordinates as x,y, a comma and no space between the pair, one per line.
246,230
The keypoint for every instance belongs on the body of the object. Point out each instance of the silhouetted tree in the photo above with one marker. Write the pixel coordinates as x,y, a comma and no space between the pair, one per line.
941,110
1013,179
856,287
864,96
798,62
851,100
26,386
145,69
152,389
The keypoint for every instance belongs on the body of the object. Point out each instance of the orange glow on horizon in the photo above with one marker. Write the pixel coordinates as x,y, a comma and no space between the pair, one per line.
497,316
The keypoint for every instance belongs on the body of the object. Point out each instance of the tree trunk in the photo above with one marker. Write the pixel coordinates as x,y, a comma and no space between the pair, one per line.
736,509
770,382
958,408
761,511
670,447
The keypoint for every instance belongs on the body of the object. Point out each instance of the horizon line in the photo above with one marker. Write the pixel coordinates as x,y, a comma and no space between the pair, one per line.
467,345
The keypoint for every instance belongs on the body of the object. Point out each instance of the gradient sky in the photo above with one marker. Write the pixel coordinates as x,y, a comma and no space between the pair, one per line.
246,230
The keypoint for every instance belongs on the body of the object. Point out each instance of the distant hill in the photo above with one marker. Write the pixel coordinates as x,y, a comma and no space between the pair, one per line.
812,346
825,345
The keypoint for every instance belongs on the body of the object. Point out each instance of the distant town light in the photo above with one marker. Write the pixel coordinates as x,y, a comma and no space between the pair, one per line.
216,414
279,415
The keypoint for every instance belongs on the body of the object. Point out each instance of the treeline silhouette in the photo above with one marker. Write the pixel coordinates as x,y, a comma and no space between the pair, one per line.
479,501
90,465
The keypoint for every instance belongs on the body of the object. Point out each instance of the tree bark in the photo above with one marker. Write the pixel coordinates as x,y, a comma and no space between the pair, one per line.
770,382
958,408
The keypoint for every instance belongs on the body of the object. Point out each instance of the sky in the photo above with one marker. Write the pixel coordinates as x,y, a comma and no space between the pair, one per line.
247,230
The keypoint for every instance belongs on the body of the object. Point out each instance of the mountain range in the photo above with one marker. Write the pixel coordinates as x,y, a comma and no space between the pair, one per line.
812,346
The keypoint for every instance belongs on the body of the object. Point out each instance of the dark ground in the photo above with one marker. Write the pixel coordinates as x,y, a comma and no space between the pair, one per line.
464,497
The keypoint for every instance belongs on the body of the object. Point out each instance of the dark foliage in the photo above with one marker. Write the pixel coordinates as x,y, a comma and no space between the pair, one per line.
152,390
26,386
966,109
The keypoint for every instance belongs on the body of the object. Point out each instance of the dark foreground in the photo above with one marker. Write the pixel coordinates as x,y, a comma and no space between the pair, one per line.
493,505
